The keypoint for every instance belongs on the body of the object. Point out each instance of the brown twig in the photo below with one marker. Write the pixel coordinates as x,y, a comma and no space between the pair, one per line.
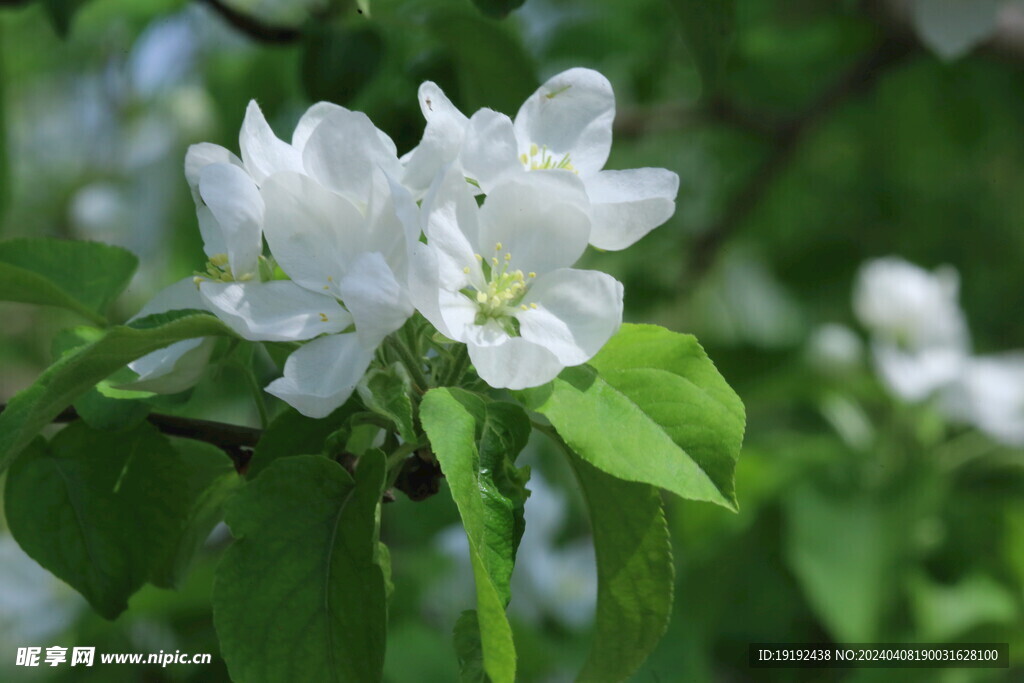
253,27
784,141
419,478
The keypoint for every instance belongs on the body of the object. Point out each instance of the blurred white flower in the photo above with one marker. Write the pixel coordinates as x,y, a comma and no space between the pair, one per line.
498,277
834,348
989,394
34,606
919,335
565,127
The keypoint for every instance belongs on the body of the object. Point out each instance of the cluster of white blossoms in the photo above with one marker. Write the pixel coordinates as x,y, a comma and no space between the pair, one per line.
921,347
320,241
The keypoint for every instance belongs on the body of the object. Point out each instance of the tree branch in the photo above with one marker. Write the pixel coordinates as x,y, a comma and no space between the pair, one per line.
253,27
419,477
784,141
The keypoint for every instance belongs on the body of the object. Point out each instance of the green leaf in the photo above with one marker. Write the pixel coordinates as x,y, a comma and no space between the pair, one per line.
5,169
102,407
634,572
300,596
469,438
386,393
707,27
497,9
84,277
493,68
338,62
73,374
847,553
101,511
468,650
292,433
210,480
652,409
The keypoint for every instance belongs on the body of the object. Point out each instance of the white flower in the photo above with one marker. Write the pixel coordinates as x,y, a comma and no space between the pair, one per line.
564,127
919,333
341,231
989,394
231,212
180,365
498,279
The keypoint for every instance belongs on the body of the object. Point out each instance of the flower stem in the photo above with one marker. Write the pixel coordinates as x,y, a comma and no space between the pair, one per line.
257,396
458,366
411,363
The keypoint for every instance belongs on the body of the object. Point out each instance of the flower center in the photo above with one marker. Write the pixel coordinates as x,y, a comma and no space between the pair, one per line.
505,289
541,158
218,269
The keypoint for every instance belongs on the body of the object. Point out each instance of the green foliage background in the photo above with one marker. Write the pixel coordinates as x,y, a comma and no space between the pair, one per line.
871,521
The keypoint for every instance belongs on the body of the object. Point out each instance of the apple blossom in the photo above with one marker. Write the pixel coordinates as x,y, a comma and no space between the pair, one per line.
565,126
498,277
919,334
989,394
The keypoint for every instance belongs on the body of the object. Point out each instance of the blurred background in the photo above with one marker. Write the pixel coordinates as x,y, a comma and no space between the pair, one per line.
837,133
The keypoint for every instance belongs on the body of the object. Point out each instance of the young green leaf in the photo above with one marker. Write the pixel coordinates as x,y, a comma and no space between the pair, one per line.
493,68
73,374
652,409
84,277
300,596
292,433
468,650
386,393
104,512
634,572
707,27
475,443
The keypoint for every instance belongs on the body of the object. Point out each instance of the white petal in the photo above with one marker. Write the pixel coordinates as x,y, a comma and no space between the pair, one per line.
490,151
451,226
424,286
915,375
321,375
310,120
442,139
458,315
312,232
182,295
536,220
570,114
236,204
394,223
991,394
626,205
345,150
209,230
516,364
262,151
180,365
378,303
173,369
274,311
201,155
577,312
